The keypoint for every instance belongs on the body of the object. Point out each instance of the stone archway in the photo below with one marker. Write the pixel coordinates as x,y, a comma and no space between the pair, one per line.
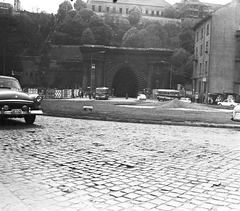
131,78
125,82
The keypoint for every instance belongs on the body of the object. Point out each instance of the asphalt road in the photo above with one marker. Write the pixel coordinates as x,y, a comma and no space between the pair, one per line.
73,164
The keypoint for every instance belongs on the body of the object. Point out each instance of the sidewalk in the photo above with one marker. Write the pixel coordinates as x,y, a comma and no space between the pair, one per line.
9,202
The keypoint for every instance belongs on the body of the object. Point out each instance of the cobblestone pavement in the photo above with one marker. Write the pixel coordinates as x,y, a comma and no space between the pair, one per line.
72,164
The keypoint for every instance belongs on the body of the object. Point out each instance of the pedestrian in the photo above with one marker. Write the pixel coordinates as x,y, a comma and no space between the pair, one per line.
81,94
127,96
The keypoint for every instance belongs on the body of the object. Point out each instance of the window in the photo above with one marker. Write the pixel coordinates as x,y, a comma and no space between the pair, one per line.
206,66
204,87
114,9
120,10
201,49
146,12
157,13
199,86
208,29
107,9
127,10
93,7
202,33
206,48
196,52
99,8
200,68
197,34
152,13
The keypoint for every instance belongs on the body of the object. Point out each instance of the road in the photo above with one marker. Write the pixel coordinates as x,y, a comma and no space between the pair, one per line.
74,164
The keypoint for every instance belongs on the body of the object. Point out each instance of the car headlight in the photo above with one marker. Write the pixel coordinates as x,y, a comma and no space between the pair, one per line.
38,99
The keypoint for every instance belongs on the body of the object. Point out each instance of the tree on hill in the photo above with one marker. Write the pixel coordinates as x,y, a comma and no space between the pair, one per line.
88,37
186,39
134,15
131,38
79,5
64,7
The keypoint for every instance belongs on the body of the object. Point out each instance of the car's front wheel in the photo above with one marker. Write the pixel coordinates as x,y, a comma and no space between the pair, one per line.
220,104
30,119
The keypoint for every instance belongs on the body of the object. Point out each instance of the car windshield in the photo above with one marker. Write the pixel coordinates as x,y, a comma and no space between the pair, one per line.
9,84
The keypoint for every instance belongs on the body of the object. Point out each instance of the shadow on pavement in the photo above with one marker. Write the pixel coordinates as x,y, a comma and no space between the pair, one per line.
9,124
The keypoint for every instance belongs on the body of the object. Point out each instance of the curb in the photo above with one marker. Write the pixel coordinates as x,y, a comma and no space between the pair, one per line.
144,121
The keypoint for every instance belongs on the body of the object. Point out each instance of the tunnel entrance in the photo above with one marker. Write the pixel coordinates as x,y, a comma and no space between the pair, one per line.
125,82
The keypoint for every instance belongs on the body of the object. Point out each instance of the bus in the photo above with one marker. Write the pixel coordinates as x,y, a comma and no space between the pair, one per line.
167,94
102,93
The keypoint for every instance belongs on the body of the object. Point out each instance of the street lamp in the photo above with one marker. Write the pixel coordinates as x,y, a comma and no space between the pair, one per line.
208,73
170,80
93,70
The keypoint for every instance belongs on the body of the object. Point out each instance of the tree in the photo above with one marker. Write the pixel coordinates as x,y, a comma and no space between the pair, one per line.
186,39
170,12
103,34
182,66
86,14
131,38
134,16
88,37
64,7
79,5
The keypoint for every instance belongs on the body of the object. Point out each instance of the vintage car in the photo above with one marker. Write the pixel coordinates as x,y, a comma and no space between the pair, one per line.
236,113
185,99
141,97
227,102
14,103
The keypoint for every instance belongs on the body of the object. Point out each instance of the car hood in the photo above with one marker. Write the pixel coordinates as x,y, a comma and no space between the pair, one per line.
12,95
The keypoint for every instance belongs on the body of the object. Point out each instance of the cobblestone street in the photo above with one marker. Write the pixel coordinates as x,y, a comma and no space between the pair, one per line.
74,164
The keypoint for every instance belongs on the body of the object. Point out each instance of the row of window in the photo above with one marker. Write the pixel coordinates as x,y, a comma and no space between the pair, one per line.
201,49
201,68
201,35
120,10
5,5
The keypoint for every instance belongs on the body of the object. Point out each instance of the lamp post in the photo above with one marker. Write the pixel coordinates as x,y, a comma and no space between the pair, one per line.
170,80
208,73
93,70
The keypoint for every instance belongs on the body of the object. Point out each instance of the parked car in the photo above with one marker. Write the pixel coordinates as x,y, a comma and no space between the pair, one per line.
236,113
141,97
14,103
185,99
227,102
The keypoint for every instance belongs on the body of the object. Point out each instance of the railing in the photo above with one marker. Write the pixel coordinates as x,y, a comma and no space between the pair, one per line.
54,93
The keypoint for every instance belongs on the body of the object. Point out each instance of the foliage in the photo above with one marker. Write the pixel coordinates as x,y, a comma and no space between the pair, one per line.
88,37
182,66
135,15
186,39
170,12
86,15
79,5
64,7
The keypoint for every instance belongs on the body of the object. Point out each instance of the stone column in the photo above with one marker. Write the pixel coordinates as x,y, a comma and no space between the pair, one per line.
100,74
85,75
237,59
150,76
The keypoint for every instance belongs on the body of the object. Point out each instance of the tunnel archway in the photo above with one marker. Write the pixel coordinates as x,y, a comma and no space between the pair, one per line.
125,82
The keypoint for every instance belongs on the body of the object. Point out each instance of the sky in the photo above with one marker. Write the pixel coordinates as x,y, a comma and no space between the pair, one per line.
51,6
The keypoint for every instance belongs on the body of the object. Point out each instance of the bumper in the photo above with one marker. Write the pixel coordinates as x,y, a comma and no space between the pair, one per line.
236,116
20,113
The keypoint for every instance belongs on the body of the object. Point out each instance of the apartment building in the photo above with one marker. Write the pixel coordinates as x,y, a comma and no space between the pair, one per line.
216,69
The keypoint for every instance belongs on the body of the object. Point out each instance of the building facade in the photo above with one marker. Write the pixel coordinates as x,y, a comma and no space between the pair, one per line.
5,7
154,8
195,8
124,70
216,69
